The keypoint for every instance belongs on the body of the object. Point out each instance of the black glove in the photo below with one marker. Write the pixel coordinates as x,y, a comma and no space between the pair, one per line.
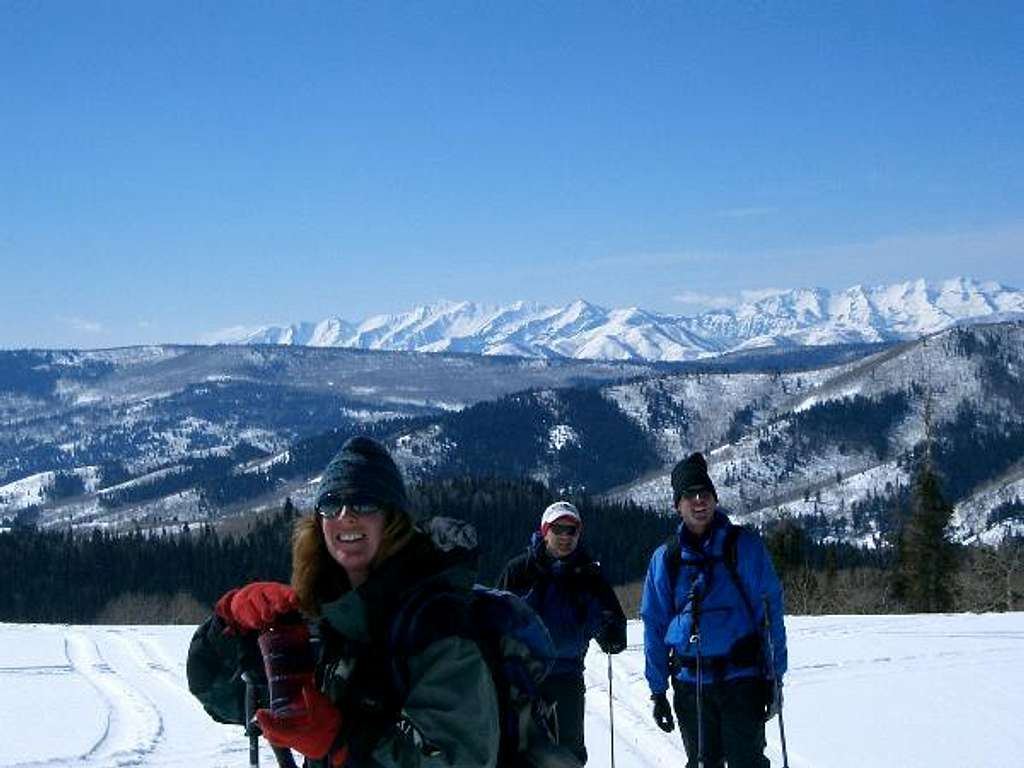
772,698
612,634
613,645
663,712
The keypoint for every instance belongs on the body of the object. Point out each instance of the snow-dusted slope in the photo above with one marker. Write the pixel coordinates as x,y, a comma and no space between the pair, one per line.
880,691
586,331
763,465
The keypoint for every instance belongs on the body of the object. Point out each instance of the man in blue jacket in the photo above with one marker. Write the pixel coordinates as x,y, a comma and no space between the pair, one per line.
562,582
712,613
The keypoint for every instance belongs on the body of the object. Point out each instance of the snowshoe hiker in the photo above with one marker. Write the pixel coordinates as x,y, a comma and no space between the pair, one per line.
355,565
559,579
706,597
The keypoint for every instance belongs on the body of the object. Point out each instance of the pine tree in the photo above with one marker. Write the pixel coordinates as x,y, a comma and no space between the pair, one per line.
927,556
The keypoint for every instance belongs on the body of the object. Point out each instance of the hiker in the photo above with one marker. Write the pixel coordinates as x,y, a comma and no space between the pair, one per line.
356,563
704,608
562,582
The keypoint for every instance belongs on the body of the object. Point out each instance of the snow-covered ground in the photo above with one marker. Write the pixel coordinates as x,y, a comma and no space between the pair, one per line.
879,691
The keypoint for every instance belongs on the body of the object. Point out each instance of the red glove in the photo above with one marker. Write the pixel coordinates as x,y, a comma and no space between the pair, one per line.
311,733
256,606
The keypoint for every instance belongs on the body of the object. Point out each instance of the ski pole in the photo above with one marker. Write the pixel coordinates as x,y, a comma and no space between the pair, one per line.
782,736
611,712
695,638
771,672
251,729
695,595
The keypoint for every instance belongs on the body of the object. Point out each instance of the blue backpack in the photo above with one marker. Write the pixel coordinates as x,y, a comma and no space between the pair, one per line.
519,653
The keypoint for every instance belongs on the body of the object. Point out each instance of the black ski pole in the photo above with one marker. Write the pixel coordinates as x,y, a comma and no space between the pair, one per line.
782,735
775,682
695,639
611,712
283,755
251,728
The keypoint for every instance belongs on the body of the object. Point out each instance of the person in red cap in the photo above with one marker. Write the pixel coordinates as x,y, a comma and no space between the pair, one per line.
560,580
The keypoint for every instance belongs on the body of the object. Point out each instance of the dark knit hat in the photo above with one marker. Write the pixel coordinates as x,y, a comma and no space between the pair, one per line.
689,476
363,472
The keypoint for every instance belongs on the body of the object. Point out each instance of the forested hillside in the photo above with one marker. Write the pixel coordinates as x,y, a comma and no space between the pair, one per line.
56,575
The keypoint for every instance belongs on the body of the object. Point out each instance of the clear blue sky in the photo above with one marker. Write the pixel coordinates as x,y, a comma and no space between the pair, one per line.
171,168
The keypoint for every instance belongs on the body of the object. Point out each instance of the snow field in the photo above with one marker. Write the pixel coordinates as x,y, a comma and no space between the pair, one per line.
881,691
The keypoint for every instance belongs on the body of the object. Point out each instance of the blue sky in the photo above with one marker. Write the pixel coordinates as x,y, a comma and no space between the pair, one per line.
168,169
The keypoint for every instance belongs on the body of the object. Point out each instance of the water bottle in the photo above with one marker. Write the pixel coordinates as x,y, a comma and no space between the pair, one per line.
288,662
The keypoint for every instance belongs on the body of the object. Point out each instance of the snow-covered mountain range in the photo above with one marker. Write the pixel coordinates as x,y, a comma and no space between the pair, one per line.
119,437
581,330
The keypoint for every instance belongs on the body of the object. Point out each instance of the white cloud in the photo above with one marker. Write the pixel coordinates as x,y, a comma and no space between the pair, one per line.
83,325
751,295
227,335
705,300
993,254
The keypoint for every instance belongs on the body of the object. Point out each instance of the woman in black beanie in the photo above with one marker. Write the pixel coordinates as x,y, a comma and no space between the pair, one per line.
356,562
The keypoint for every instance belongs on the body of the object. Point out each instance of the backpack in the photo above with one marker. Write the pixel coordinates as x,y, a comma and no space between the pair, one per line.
518,651
750,647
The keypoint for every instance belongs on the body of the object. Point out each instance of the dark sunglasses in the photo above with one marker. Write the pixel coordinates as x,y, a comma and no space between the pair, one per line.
703,493
332,506
564,530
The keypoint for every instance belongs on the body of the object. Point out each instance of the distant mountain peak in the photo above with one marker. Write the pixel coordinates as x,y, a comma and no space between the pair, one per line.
581,329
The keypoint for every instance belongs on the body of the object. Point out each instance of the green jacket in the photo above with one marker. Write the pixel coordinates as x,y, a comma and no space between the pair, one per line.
446,716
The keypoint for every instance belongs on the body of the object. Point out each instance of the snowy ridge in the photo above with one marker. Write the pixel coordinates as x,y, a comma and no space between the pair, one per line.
765,483
581,330
774,450
36,489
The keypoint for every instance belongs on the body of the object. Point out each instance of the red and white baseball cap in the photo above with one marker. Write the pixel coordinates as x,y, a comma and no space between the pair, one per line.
558,511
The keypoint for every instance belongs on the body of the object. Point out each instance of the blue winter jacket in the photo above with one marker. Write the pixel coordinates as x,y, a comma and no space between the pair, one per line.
572,597
726,626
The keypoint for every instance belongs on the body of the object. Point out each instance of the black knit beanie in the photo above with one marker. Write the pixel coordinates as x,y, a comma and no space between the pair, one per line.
363,472
689,476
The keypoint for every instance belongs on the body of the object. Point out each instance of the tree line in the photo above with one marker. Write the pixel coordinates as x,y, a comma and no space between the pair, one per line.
176,574
61,576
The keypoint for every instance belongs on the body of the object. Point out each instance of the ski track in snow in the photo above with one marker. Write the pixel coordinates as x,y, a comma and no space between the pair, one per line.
133,725
866,690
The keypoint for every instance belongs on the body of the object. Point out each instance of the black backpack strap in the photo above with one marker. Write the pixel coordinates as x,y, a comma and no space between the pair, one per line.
730,556
427,616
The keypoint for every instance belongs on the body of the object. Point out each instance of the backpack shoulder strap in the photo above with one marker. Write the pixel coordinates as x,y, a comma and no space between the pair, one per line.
427,616
730,556
673,563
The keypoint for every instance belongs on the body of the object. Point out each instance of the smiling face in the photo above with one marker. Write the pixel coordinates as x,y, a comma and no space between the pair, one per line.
353,541
562,537
697,509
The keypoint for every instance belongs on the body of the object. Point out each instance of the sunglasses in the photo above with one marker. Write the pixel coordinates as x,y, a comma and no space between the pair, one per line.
704,495
564,530
331,507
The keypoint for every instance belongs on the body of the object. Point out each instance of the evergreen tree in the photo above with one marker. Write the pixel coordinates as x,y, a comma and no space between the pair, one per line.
927,562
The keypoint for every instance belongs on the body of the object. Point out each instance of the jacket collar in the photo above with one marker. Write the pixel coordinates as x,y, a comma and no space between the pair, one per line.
539,555
690,541
440,555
